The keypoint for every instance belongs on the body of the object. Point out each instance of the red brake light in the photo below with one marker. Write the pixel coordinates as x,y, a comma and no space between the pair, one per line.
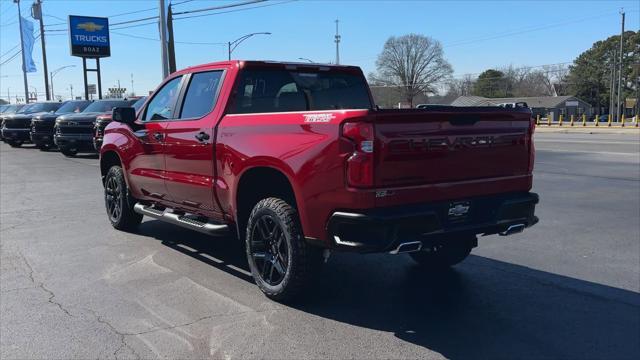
359,166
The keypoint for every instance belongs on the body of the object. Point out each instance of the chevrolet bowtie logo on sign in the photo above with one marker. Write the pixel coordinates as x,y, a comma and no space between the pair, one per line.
90,26
89,36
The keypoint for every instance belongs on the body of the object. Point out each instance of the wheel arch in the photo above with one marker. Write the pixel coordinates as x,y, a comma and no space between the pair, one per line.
259,182
108,159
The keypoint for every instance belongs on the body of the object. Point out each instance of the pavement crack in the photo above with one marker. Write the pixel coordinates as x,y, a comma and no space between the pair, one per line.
121,335
42,286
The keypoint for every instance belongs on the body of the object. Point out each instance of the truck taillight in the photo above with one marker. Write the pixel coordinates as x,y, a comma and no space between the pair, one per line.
532,148
359,166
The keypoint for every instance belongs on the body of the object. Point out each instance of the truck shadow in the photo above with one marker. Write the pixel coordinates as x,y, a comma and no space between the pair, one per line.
482,308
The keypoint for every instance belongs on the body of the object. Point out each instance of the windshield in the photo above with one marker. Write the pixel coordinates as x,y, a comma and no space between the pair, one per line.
40,107
278,90
73,107
3,108
106,105
138,104
24,109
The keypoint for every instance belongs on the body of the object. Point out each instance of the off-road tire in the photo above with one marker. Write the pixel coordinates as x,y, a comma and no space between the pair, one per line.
116,193
443,256
303,260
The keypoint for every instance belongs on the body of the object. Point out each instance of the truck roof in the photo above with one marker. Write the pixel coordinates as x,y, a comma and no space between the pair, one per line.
243,63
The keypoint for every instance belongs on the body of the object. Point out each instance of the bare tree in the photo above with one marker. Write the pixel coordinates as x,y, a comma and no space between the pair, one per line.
414,64
460,87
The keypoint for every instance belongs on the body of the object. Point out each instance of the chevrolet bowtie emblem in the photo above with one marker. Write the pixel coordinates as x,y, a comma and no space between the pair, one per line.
90,26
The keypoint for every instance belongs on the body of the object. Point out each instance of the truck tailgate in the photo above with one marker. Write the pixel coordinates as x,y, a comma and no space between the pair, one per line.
458,144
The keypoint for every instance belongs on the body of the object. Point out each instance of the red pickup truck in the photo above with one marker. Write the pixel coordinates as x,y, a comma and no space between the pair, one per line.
297,161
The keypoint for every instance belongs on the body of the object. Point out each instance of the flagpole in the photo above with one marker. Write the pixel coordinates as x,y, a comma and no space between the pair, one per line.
24,65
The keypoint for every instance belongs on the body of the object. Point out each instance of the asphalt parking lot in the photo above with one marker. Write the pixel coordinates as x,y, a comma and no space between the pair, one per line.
72,287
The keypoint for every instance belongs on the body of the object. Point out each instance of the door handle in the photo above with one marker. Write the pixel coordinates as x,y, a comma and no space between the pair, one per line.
158,136
202,136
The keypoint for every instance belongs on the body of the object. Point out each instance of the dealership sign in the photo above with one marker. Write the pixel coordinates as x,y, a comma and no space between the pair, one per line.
89,36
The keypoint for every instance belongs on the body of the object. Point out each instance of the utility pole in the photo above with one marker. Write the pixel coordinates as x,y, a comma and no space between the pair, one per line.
337,41
24,62
36,13
620,71
163,39
171,51
71,88
133,93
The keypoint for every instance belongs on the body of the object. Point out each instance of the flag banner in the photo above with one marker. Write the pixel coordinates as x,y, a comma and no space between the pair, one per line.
27,42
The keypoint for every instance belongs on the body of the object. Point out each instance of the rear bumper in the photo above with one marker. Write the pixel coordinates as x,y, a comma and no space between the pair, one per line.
16,134
382,230
78,142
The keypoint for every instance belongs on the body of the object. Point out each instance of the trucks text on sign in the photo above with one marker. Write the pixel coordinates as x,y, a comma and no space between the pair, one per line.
89,36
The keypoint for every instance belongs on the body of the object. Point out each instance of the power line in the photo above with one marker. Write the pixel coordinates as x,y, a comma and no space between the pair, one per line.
132,12
182,2
55,17
177,42
523,31
8,51
17,53
250,2
235,10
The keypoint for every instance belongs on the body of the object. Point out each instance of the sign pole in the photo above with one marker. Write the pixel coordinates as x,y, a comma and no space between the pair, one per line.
84,71
99,78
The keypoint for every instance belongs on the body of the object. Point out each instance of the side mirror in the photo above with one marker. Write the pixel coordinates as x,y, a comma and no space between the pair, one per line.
125,115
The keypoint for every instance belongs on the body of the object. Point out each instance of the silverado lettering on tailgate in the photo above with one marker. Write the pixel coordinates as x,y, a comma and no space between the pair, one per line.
448,143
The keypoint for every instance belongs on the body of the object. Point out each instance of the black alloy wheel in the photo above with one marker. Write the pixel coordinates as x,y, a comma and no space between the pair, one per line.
269,249
113,199
118,201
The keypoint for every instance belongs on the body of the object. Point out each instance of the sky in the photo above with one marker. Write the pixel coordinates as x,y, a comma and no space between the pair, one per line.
476,35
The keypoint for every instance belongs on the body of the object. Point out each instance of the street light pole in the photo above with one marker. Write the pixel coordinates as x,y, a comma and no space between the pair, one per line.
53,73
232,45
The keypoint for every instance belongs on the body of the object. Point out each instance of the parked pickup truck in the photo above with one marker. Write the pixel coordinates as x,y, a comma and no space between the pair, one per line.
103,120
295,160
74,132
16,127
42,126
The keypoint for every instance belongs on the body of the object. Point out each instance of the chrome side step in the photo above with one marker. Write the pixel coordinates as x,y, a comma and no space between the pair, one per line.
167,215
407,247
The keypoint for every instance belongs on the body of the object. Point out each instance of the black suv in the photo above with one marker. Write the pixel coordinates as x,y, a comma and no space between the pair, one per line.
16,127
42,125
74,132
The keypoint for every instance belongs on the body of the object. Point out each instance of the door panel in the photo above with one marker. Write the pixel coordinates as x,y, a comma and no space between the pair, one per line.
189,146
148,166
189,164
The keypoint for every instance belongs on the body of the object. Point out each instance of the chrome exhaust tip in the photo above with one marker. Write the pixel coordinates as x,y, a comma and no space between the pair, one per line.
513,229
407,247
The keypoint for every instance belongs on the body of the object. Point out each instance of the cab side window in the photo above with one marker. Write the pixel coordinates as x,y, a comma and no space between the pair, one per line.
162,105
201,94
